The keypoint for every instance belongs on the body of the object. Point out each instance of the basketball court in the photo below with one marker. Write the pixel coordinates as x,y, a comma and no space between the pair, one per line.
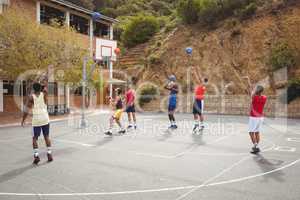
152,163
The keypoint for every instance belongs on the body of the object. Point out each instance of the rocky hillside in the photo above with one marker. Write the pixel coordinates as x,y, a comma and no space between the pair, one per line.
232,56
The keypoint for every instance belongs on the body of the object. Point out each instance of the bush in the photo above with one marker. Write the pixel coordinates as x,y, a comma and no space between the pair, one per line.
154,59
282,56
188,10
208,12
139,30
293,91
24,46
147,94
247,12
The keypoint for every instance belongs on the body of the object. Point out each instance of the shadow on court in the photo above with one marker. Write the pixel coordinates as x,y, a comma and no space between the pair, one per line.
57,152
17,172
104,141
267,165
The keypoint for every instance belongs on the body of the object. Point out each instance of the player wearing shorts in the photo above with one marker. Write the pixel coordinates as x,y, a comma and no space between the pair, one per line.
256,117
173,88
130,108
199,105
40,120
118,104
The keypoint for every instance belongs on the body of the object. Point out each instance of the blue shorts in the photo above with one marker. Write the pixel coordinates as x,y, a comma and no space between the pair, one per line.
38,129
171,108
130,109
198,107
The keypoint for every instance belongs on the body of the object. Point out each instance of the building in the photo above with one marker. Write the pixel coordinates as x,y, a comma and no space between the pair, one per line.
81,19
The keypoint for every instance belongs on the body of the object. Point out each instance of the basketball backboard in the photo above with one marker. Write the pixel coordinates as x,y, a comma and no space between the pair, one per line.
106,48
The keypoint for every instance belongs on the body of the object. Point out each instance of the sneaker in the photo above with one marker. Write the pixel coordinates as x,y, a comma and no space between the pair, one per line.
108,133
175,126
36,160
195,127
255,150
50,157
122,132
135,126
129,127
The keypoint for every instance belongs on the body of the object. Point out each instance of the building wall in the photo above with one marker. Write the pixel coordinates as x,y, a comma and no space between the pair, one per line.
25,6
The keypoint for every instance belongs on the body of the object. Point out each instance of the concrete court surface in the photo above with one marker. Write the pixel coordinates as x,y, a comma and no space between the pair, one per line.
152,163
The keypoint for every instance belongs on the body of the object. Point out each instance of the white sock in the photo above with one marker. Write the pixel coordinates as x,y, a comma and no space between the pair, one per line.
196,123
36,152
49,150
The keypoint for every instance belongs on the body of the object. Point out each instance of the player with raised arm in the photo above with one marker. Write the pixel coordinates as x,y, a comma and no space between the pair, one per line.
256,117
198,106
173,88
37,101
130,107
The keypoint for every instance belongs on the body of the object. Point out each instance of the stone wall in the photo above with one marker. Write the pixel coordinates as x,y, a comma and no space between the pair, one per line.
232,105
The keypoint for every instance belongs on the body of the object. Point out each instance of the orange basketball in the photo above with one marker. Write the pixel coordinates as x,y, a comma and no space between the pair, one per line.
117,51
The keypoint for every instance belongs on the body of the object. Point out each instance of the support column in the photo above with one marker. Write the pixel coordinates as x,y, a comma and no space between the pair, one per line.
91,37
111,32
110,77
67,18
38,12
68,97
1,96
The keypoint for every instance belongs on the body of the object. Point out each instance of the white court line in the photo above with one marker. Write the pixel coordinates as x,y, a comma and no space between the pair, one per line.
213,178
196,145
293,139
156,190
73,142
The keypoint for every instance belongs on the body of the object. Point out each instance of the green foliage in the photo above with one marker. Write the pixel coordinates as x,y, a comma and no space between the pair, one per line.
25,45
208,12
246,12
293,91
282,56
188,10
139,30
147,94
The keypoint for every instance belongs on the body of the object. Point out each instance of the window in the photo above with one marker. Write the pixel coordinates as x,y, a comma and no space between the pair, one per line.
101,30
50,15
80,24
8,87
3,7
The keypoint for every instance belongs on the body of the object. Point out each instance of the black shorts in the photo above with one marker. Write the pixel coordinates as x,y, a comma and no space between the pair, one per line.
130,109
198,107
38,129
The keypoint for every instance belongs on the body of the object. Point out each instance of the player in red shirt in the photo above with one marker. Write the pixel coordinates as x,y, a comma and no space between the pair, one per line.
199,105
130,108
256,117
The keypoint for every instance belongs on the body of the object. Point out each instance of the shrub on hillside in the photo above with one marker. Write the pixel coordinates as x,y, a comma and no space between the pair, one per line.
147,94
208,12
282,56
188,10
246,12
293,91
139,30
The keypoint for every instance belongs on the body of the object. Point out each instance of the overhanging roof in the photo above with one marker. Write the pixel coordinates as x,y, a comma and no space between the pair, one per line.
81,9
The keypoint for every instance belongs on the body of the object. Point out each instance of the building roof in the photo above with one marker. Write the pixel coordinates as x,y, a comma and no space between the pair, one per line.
81,9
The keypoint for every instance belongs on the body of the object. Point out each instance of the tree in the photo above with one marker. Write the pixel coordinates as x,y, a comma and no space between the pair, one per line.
139,30
25,45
